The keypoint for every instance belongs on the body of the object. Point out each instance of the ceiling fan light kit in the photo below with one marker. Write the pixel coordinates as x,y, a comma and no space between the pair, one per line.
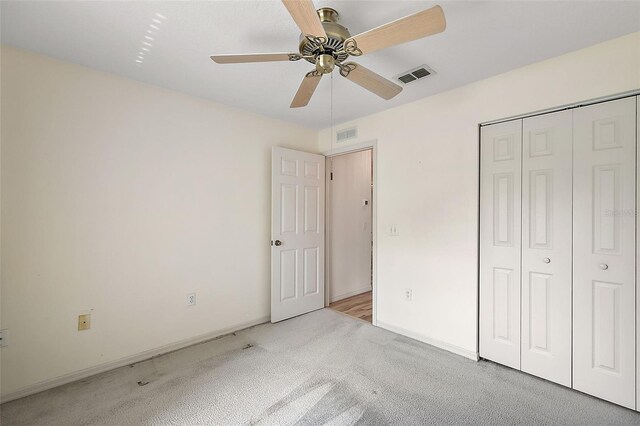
327,44
325,63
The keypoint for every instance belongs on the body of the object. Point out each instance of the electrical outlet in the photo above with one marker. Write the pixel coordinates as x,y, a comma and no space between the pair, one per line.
191,299
408,294
4,336
84,322
393,230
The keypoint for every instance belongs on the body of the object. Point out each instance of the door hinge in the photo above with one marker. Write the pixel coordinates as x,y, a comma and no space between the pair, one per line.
331,175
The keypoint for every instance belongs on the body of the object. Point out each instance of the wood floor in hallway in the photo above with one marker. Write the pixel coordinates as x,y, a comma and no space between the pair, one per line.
358,306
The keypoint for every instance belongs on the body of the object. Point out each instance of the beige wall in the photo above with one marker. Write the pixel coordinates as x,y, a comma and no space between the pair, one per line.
428,183
119,198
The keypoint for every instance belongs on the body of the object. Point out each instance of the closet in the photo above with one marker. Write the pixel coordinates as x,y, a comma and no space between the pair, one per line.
558,221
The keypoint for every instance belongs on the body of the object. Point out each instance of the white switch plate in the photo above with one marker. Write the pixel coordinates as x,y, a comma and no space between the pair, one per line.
408,294
191,299
4,336
393,230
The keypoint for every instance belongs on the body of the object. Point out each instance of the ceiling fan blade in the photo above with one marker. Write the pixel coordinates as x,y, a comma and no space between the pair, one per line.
304,14
422,24
306,89
370,80
255,57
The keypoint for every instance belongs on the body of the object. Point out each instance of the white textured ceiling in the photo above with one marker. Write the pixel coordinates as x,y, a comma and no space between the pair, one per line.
482,39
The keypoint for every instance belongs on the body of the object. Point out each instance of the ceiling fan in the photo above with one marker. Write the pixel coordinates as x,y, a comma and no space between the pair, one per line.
327,44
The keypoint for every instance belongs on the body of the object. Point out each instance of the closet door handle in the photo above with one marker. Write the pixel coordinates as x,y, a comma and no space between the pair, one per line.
546,260
604,266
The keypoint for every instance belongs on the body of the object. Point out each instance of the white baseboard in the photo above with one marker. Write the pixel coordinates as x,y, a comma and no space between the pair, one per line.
142,356
351,293
433,342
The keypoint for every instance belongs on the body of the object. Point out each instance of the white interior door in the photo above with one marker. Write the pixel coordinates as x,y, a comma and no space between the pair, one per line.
546,246
350,217
297,232
604,251
500,248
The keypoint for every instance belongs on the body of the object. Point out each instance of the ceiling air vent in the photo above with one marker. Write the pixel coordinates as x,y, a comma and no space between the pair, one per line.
415,74
346,134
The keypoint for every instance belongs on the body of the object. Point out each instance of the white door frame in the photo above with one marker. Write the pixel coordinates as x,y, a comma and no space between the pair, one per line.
363,146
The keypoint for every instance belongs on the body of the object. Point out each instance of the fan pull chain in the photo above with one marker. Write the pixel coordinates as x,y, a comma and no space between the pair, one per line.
331,115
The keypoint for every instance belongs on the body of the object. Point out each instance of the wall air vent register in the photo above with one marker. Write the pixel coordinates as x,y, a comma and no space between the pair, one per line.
346,134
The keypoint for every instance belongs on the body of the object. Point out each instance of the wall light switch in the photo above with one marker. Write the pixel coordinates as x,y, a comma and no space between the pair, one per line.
191,299
393,230
84,322
408,294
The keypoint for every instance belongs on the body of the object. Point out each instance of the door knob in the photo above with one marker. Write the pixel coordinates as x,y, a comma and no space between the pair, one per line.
604,266
546,260
278,243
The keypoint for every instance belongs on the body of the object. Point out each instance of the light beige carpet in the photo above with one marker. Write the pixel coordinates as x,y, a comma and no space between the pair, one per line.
320,368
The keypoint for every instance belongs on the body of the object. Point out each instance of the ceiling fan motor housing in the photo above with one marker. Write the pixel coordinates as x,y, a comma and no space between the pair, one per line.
336,35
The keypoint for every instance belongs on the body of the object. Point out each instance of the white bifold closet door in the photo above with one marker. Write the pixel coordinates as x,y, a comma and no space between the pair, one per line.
500,216
637,253
604,250
546,246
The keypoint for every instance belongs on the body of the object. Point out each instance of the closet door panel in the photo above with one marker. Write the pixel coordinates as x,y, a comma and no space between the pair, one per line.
604,240
546,246
500,242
